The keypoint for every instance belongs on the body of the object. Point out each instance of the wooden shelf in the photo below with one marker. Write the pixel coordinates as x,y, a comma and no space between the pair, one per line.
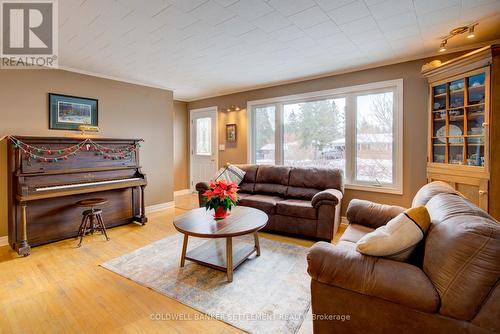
440,95
456,91
475,114
476,87
475,105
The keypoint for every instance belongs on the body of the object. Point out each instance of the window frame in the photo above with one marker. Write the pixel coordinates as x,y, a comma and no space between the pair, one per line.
349,93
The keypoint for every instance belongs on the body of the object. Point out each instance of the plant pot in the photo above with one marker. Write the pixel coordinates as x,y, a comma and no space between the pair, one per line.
221,213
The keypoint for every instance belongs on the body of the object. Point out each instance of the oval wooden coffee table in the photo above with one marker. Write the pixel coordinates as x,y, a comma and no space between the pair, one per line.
201,223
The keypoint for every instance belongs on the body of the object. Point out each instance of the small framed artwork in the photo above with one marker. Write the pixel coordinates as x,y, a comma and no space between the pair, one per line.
231,133
69,112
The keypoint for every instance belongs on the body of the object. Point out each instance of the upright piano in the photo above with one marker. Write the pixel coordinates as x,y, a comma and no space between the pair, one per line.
48,175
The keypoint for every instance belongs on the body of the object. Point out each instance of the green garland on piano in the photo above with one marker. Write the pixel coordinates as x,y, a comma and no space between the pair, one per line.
44,154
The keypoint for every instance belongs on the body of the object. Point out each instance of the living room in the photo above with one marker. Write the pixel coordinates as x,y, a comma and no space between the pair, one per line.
260,166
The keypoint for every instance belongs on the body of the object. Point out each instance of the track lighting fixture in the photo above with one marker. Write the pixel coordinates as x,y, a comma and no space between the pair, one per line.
471,32
442,48
458,31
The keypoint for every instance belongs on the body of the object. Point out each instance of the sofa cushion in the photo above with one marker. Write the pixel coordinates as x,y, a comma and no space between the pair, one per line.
262,202
296,208
273,174
270,189
316,178
301,193
272,180
398,282
242,196
461,255
371,214
354,232
448,205
250,172
430,190
247,187
294,225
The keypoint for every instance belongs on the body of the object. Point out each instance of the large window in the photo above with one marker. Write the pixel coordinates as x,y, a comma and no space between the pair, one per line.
357,129
265,136
314,133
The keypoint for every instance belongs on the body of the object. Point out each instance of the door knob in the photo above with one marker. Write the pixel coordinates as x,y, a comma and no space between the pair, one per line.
482,192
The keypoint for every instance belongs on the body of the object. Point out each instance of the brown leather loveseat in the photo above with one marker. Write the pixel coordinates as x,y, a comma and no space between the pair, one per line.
451,287
299,201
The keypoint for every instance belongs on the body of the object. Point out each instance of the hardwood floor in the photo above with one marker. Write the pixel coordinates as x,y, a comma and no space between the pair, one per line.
62,288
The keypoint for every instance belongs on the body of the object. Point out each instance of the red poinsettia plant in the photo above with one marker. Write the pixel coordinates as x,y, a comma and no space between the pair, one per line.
221,196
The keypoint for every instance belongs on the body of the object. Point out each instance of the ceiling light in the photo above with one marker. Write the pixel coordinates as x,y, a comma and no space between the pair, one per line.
442,47
471,32
233,108
457,32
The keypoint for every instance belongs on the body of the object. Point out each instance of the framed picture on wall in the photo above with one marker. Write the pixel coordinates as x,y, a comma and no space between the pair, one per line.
231,133
69,112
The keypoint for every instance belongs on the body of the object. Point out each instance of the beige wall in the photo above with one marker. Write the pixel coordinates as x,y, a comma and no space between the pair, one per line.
181,146
415,120
125,111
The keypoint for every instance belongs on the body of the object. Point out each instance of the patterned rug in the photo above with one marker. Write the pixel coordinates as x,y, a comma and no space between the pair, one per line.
269,294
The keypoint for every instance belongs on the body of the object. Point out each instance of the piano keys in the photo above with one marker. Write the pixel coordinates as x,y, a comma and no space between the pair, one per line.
42,193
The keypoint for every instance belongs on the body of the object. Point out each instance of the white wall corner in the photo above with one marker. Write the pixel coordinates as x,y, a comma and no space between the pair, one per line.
159,207
4,241
182,192
343,220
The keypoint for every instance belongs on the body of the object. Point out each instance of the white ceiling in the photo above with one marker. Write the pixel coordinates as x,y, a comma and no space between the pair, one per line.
201,48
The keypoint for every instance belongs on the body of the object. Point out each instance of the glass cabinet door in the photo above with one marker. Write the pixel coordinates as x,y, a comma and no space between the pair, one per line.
476,119
458,121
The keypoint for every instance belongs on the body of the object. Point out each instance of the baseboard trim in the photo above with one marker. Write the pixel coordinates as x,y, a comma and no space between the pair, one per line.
182,192
4,241
159,207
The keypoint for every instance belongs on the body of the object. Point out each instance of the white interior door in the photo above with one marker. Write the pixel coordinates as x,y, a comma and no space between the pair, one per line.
203,145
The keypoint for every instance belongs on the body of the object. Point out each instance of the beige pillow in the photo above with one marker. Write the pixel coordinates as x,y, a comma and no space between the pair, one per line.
399,237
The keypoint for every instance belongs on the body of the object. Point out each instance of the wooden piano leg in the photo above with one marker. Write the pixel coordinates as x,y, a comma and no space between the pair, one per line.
142,219
23,248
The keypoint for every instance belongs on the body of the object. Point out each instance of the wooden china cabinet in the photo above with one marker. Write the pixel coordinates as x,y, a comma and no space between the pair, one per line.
464,125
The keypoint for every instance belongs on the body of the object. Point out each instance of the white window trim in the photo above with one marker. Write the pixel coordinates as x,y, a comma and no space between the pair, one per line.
397,84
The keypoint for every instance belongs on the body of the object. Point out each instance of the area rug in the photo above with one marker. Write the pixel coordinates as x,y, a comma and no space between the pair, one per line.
269,293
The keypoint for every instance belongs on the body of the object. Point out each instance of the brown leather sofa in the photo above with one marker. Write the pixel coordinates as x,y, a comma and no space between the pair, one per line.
450,286
298,201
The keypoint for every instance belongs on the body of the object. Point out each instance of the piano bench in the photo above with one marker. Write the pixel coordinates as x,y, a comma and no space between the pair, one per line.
92,218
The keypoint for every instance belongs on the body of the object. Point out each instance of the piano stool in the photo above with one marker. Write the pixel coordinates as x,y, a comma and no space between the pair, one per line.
92,218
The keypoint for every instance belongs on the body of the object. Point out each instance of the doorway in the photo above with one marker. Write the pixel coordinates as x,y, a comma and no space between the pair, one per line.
203,145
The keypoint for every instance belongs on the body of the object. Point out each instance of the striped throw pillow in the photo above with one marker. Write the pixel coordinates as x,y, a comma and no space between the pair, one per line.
230,173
